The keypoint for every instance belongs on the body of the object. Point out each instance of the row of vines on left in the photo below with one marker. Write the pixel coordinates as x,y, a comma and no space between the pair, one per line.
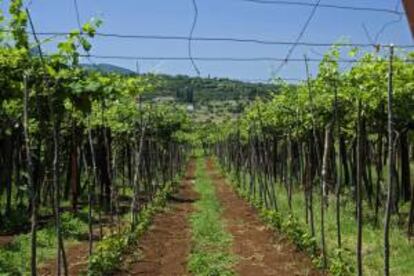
76,141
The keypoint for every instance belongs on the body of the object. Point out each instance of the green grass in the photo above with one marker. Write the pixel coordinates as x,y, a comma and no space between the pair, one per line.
15,257
402,251
211,243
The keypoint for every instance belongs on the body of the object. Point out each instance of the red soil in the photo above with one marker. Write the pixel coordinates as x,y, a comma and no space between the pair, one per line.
165,247
169,230
261,251
6,239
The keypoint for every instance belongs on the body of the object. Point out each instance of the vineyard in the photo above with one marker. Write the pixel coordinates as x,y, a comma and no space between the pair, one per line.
339,147
112,173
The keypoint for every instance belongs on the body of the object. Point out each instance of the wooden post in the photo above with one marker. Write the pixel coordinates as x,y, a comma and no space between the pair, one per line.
409,11
390,167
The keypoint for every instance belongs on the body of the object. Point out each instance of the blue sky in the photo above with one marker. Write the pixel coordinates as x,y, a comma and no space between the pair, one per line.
217,18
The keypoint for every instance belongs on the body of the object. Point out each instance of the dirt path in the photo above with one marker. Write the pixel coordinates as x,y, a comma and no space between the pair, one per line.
260,250
6,239
165,247
169,230
76,256
77,259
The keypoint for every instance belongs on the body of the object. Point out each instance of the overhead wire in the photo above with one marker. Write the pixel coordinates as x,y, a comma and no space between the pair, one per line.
193,26
78,20
330,6
389,23
192,38
235,59
77,13
299,37
226,39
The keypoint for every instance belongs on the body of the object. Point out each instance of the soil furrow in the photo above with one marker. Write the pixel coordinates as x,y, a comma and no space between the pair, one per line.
165,247
260,250
162,250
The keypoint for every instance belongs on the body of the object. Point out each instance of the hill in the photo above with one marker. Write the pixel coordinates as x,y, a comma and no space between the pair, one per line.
194,89
108,68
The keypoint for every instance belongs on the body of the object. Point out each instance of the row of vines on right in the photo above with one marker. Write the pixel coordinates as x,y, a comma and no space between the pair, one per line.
335,154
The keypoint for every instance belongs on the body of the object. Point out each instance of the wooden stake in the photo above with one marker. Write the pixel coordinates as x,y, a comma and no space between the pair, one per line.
409,11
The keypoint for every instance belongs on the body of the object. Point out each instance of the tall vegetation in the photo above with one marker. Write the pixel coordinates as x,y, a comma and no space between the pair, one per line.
72,139
330,134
